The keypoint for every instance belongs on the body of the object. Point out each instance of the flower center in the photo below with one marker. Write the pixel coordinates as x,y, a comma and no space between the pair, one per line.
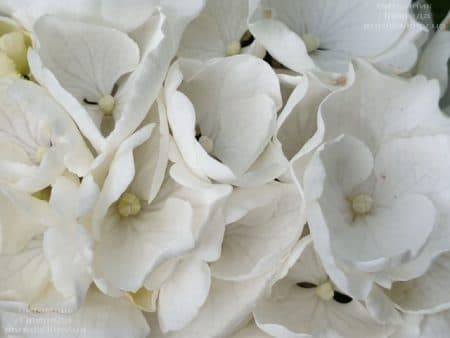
106,104
128,205
206,143
325,291
311,42
233,48
362,204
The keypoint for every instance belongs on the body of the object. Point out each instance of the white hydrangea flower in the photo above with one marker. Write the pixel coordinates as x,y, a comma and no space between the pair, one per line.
183,283
306,302
325,35
155,235
84,77
133,229
230,302
384,178
159,160
46,253
220,30
38,139
107,79
212,110
275,215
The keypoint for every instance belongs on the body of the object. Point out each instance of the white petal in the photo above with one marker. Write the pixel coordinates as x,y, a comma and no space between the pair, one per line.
80,115
21,218
269,227
377,108
434,60
436,326
382,22
139,91
181,298
340,26
374,237
345,163
292,311
120,175
219,24
182,121
221,113
298,119
69,251
270,165
426,294
403,55
90,59
409,328
208,201
151,159
99,317
127,253
283,44
381,307
428,156
356,160
308,267
110,12
31,119
228,306
24,276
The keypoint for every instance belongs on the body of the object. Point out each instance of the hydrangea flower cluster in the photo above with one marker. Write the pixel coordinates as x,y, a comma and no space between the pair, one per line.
223,169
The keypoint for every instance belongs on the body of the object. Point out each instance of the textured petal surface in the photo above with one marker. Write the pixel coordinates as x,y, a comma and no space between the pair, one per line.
99,317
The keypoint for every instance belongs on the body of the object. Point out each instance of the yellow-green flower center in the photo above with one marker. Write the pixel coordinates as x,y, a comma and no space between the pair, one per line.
362,204
128,205
106,104
325,291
